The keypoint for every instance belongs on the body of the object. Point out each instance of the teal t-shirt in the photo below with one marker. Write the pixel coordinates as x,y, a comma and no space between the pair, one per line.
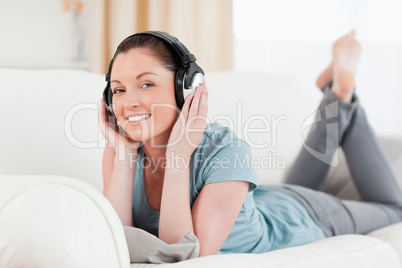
268,219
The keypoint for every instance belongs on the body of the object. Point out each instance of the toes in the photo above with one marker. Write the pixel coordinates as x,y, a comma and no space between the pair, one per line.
347,37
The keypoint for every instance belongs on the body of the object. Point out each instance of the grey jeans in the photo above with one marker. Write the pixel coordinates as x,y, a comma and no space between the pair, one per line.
344,124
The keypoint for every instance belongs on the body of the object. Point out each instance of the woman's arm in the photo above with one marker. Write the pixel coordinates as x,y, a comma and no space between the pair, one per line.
118,166
217,206
175,219
175,213
212,216
107,166
215,211
118,182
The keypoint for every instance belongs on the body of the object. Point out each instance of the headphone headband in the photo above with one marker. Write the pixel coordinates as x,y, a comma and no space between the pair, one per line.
181,51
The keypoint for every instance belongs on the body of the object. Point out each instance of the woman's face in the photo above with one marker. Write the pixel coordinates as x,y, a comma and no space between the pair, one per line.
143,96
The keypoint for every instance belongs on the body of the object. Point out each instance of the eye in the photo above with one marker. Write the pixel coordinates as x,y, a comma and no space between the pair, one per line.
117,91
147,85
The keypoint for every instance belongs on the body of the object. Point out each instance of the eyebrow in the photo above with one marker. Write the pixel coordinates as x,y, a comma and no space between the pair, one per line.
138,77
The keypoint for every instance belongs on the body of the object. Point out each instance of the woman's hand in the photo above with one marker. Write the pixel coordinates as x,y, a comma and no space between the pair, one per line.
189,128
117,138
175,213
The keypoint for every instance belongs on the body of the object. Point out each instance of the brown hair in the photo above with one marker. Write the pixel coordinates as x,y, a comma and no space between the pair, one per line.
155,46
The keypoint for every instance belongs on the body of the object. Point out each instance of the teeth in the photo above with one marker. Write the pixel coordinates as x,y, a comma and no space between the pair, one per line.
138,117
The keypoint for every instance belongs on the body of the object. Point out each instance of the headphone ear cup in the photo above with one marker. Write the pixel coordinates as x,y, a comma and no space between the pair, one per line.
108,96
179,85
187,79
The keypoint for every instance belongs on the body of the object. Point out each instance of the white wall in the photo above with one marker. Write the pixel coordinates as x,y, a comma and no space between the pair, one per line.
39,33
295,37
288,36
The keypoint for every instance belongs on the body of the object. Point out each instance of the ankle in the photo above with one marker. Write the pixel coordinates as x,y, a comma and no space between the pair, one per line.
343,92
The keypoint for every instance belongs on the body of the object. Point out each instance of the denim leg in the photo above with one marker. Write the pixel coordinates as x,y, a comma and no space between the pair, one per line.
368,166
370,171
331,121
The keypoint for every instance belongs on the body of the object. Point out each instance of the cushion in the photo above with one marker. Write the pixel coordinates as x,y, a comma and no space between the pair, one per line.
347,251
147,248
392,235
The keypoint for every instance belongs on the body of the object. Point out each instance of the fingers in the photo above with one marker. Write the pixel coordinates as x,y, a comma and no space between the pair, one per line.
103,120
196,101
203,107
101,108
202,110
186,105
194,104
101,115
198,111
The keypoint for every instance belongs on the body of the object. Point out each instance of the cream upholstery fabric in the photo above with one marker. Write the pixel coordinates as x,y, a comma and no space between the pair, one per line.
54,221
57,221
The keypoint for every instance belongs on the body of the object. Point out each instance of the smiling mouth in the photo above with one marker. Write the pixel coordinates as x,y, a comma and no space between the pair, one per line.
138,118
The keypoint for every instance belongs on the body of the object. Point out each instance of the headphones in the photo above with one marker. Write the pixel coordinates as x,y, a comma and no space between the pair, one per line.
187,77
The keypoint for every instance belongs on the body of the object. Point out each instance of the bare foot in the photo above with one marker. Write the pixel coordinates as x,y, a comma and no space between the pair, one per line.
342,71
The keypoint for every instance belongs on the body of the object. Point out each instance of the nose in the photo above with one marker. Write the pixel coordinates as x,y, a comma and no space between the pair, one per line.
132,98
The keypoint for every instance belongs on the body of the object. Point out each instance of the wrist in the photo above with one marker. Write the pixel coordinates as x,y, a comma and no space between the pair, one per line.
176,155
122,149
126,157
177,161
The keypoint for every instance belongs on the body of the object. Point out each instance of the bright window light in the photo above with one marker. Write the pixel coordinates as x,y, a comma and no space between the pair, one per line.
286,19
385,20
317,20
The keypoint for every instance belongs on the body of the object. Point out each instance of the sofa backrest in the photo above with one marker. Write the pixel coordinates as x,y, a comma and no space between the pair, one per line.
35,106
269,111
49,120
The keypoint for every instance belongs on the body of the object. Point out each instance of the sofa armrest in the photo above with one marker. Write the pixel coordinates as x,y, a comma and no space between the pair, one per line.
54,221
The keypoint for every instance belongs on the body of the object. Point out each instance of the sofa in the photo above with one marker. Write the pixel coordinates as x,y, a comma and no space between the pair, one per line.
53,213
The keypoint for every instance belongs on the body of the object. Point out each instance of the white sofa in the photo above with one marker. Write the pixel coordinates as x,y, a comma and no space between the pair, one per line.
52,211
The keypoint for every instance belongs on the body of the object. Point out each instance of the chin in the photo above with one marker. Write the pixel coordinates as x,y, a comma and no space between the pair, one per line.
138,135
151,132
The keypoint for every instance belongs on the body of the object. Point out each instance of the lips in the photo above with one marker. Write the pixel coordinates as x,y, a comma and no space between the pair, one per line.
137,118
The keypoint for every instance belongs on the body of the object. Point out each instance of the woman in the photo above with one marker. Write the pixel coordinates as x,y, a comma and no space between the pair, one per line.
164,172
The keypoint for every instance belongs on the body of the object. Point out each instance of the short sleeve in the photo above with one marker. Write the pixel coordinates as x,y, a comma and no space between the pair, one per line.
231,162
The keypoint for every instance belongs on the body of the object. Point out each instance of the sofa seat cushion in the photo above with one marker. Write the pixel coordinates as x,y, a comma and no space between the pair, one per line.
341,251
391,234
